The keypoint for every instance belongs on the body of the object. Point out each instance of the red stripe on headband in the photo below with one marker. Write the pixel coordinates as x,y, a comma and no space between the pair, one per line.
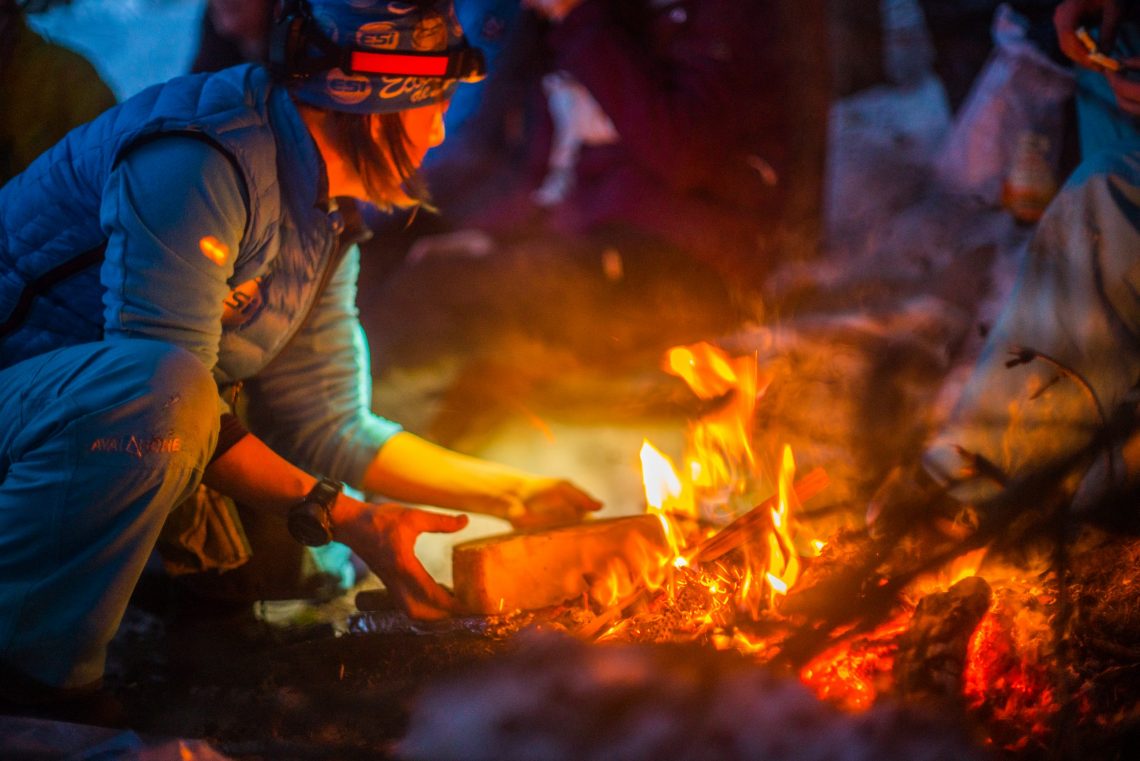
398,65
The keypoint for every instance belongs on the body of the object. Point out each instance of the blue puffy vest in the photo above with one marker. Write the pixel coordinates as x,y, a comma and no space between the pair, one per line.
51,244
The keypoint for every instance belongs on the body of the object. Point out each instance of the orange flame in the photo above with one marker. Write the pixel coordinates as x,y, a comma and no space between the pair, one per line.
664,494
719,455
707,590
719,460
783,560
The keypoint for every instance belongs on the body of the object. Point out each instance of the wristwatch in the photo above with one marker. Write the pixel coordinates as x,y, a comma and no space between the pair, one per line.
309,520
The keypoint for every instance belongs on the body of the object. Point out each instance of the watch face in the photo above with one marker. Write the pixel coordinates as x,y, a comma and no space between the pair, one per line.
308,525
309,521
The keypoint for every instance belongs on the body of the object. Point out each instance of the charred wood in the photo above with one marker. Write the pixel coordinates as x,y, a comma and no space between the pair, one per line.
931,659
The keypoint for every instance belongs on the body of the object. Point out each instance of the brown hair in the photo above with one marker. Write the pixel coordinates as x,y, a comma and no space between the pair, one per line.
376,145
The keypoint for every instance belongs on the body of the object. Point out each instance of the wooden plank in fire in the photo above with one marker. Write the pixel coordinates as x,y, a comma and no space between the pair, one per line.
528,570
743,528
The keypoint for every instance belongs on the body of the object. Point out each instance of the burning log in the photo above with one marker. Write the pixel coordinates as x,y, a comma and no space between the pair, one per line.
931,659
739,531
536,569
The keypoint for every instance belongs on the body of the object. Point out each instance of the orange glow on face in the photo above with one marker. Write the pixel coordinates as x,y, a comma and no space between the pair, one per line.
214,250
425,128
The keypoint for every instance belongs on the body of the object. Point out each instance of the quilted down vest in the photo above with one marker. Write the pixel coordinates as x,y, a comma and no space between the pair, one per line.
52,240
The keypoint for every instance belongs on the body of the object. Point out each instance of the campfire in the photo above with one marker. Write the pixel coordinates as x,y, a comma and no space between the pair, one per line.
740,560
738,539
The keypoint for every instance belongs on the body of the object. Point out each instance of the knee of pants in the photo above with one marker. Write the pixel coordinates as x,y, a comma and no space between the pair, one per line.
167,390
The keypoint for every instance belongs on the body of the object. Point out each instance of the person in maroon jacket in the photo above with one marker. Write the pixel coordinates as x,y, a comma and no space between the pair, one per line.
673,120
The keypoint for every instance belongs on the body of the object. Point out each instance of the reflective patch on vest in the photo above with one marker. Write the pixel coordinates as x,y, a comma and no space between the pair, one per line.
214,250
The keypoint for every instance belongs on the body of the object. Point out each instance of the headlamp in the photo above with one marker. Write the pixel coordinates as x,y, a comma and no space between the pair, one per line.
299,48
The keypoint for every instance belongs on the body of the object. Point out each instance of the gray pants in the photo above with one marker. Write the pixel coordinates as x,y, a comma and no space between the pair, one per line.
97,443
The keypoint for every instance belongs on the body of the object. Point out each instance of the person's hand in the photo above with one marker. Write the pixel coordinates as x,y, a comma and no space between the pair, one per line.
1070,16
547,502
1125,87
555,10
384,536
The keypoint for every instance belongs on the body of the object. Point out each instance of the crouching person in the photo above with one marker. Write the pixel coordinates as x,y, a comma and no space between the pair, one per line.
189,243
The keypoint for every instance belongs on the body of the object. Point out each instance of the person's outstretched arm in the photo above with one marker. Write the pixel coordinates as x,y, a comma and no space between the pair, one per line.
383,535
411,469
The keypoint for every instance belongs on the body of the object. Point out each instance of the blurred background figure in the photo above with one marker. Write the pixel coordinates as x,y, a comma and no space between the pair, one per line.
1059,367
233,32
45,89
960,33
689,126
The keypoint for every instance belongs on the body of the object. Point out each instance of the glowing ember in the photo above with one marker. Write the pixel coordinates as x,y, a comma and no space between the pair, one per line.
853,674
1009,665
725,585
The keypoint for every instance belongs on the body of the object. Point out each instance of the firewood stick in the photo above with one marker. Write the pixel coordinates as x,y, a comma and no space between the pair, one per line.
610,614
736,533
729,538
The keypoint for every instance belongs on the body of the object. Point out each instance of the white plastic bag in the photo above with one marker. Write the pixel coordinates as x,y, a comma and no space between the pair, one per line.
1020,92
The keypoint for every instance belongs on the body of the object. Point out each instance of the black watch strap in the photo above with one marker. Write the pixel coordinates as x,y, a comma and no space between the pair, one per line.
309,520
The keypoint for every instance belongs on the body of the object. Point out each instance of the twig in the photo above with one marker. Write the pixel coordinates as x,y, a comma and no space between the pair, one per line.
1023,356
591,629
736,533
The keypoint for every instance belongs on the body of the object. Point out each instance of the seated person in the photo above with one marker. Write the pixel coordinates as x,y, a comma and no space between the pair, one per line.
1064,356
